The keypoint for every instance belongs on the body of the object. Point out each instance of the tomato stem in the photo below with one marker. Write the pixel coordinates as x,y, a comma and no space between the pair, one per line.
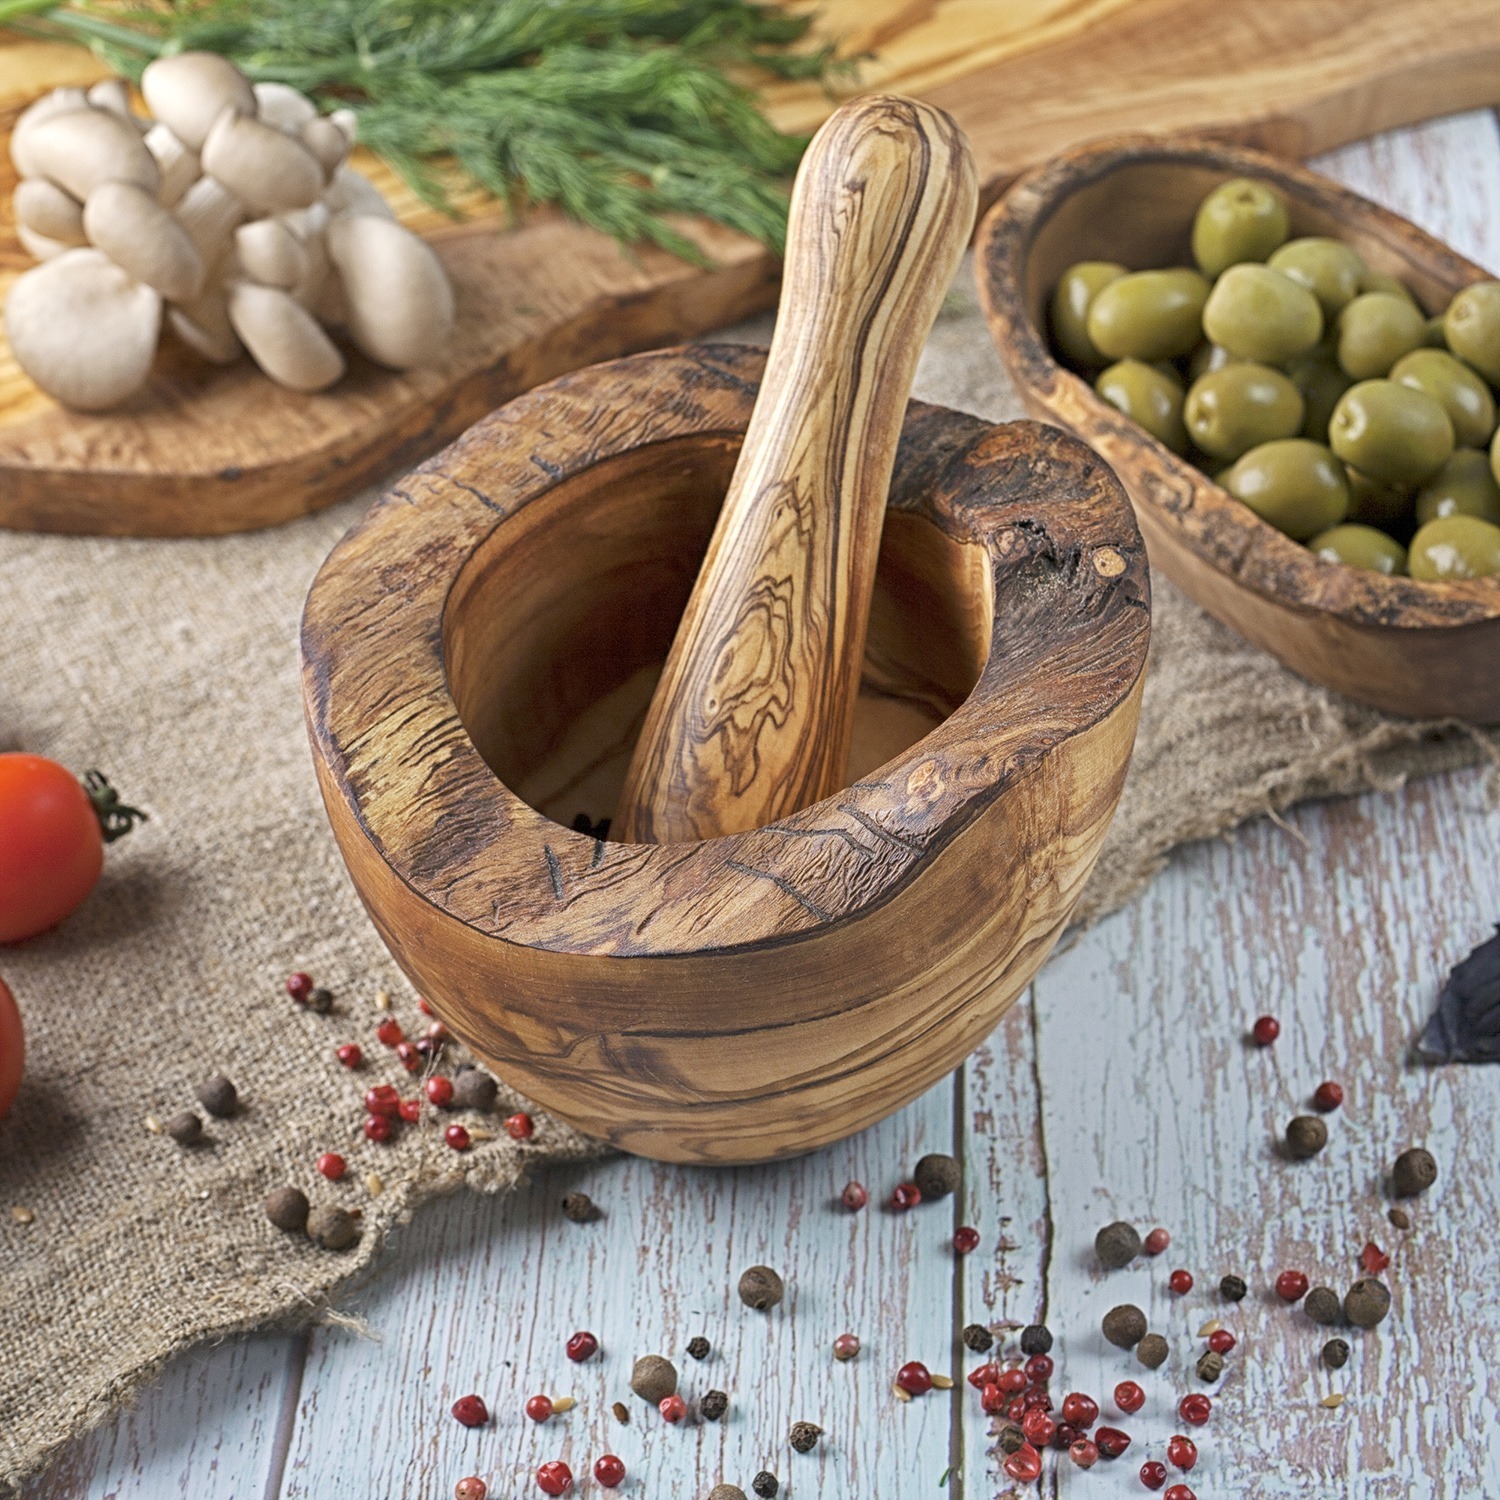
116,818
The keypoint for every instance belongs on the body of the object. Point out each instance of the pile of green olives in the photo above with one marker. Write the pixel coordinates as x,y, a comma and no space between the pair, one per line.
1313,389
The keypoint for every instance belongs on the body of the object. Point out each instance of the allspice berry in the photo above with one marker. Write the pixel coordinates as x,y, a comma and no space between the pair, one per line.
978,1338
218,1096
186,1129
713,1405
937,1176
726,1492
1335,1354
1322,1305
765,1484
653,1378
1306,1136
761,1288
473,1088
804,1436
1367,1302
1117,1244
1210,1366
1152,1351
1414,1172
699,1348
1036,1339
286,1208
1124,1326
578,1207
1233,1288
1011,1438
332,1228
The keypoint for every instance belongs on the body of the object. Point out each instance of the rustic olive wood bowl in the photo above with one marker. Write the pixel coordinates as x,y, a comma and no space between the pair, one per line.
1425,649
484,643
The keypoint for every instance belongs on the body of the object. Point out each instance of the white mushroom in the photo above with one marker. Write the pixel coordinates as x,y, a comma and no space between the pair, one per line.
137,233
38,246
327,142
351,192
286,108
85,147
44,208
203,323
82,329
398,300
258,164
177,164
113,95
187,93
348,122
283,338
209,212
270,254
58,102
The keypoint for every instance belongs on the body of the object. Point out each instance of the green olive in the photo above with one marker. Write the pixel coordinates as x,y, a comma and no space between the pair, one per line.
1388,507
1375,330
1360,547
1206,359
1149,315
1148,397
1391,432
1465,397
1472,327
1455,547
1241,406
1069,309
1318,376
1464,486
1381,281
1262,315
1296,485
1329,269
1240,220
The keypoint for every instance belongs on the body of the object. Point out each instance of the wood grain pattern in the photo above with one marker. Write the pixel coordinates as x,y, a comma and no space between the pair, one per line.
753,716
537,559
1409,647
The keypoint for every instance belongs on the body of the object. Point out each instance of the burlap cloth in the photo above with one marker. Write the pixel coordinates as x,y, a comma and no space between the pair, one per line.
173,666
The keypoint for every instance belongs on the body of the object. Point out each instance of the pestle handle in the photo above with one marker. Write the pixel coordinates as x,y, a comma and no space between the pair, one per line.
751,719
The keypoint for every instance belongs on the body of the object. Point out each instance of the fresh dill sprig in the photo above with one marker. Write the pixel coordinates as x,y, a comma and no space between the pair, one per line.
619,112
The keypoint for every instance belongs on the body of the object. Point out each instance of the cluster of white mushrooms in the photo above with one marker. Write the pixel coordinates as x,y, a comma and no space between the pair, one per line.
231,215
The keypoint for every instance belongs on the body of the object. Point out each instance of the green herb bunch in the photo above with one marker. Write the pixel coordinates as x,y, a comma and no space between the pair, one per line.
618,111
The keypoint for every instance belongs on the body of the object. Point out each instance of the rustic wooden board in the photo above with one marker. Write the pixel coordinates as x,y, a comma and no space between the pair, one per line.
205,450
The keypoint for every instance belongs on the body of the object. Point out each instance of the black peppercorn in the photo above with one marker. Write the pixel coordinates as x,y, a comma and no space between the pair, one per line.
1117,1244
286,1208
1306,1135
765,1484
186,1129
1152,1351
1233,1288
1414,1172
804,1436
653,1378
1011,1438
1210,1366
580,1208
1335,1354
474,1089
699,1347
1124,1326
218,1096
978,1338
1036,1339
937,1176
332,1228
761,1288
1322,1305
1367,1302
319,1001
713,1405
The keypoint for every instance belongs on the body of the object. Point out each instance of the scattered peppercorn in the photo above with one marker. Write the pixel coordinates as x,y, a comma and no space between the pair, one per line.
978,1338
456,1138
765,1484
474,1089
383,1100
351,1055
1124,1326
1152,1351
673,1408
471,1488
471,1411
1011,1438
1083,1453
1182,1452
1111,1441
1265,1031
914,1378
583,1345
332,1228
1373,1258
1039,1428
726,1492
699,1348
1291,1286
1195,1409
1129,1397
845,1347
520,1126
1079,1410
580,1208
1117,1244
554,1478
539,1408
286,1208
761,1288
410,1110
408,1056
1233,1288
186,1128
1039,1369
1367,1302
653,1378
1153,1474
1306,1135
1327,1096
378,1128
609,1470
905,1195
1210,1366
1181,1282
1024,1465
1221,1341
299,986
389,1032
1414,1172
1036,1338
965,1240
1179,1492
1156,1241
1322,1305
713,1405
320,1001
937,1176
621,1413
218,1096
439,1090
854,1197
1335,1354
804,1436
332,1165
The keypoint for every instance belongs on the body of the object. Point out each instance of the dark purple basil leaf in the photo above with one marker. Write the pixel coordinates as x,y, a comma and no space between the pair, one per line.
1466,1025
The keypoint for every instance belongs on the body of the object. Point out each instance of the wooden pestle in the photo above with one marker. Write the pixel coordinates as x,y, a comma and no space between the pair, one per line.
751,719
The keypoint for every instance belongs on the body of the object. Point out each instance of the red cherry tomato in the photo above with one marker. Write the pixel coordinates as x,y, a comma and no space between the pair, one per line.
12,1049
53,829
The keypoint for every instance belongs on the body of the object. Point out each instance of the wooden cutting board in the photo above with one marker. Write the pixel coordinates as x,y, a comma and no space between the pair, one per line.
204,450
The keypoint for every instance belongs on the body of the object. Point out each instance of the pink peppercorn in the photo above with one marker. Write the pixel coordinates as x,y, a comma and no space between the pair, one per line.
539,1408
983,1375
439,1090
1179,1492
1012,1382
520,1126
906,1195
1181,1282
1039,1428
332,1165
1221,1341
424,1005
1129,1397
410,1110
1084,1453
965,1240
389,1032
470,1488
471,1411
1024,1465
378,1128
1195,1408
1291,1286
993,1400
914,1378
610,1471
1039,1369
1156,1242
1079,1410
1065,1436
555,1478
383,1100
1036,1399
673,1408
408,1056
846,1346
583,1345
1327,1096
1111,1441
349,1054
854,1197
1265,1031
1017,1408
1182,1453
456,1137
1153,1474
299,986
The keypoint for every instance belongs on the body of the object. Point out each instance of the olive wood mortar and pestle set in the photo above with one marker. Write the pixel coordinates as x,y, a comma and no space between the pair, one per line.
904,651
